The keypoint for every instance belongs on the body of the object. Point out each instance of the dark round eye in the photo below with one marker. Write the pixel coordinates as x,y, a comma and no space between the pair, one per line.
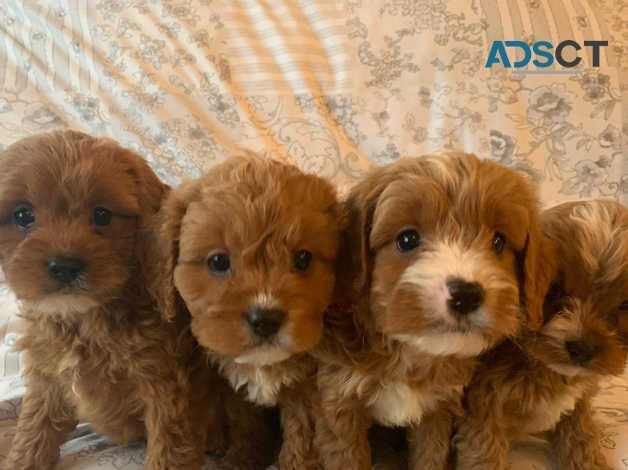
499,243
102,216
408,240
219,263
302,260
624,306
23,217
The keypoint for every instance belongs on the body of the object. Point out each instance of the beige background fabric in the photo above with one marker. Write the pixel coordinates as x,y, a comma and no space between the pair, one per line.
334,86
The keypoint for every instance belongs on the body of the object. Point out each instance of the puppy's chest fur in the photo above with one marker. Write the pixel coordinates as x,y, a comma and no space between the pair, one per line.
98,364
544,403
402,388
264,385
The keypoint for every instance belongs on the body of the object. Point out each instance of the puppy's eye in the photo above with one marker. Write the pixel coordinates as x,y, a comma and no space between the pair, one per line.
407,240
219,263
102,216
623,307
302,260
498,243
23,217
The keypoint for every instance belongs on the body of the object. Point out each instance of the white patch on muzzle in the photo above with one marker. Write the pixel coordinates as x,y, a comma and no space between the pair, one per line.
429,277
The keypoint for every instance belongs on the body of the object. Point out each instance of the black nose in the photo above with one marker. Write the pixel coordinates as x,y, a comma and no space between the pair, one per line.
64,269
265,322
580,352
465,296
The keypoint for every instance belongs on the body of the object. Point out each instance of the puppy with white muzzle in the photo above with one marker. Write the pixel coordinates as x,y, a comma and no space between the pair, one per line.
438,264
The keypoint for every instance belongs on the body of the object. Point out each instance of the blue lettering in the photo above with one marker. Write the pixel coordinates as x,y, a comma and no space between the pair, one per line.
497,49
542,53
526,52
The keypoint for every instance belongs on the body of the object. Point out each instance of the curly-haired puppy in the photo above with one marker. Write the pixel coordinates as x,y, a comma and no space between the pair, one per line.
545,381
73,213
252,246
440,263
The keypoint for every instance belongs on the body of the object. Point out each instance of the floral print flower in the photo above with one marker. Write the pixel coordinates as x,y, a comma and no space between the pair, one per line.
594,84
39,118
224,108
345,113
151,50
502,147
112,7
610,137
86,106
389,65
184,11
588,176
425,96
390,153
548,105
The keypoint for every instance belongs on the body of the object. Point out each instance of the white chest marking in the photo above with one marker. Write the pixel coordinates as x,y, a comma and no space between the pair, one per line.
397,404
261,388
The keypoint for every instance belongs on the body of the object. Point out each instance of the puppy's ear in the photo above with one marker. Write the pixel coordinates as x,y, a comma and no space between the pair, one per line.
355,255
74,135
163,249
150,189
538,272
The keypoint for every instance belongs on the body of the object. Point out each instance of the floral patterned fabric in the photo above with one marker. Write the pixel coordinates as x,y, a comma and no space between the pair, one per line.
334,86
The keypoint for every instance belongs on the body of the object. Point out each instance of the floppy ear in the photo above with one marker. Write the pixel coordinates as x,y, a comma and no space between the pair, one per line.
75,135
163,249
355,255
538,270
150,189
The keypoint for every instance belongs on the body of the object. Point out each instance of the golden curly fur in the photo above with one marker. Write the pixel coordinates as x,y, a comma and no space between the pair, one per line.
74,217
250,248
439,258
545,380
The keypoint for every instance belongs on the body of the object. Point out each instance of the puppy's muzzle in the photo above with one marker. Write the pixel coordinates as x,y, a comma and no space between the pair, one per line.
580,352
265,322
465,297
64,269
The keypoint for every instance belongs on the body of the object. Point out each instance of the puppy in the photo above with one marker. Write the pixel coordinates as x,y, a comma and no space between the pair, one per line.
439,262
545,381
73,216
251,249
